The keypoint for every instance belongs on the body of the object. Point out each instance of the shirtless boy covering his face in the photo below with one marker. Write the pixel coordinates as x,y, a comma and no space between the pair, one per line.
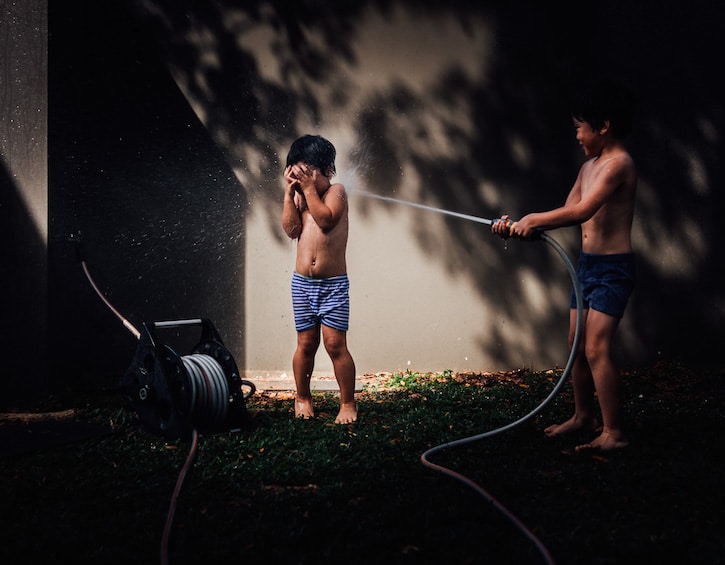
315,213
602,203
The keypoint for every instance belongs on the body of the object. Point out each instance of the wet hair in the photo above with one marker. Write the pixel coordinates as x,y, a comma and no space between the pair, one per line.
313,150
606,99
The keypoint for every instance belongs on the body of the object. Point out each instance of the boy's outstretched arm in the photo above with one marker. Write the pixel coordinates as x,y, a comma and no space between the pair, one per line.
581,204
577,209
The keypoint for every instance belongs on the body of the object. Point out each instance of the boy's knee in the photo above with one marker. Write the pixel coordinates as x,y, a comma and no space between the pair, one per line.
335,347
308,345
596,352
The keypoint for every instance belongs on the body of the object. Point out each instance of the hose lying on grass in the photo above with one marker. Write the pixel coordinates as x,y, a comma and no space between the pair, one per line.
425,458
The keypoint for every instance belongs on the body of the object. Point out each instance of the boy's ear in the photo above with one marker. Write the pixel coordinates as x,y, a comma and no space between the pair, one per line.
605,128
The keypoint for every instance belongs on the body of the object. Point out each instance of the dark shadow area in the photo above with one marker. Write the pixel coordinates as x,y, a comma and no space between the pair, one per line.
22,302
678,146
27,433
134,174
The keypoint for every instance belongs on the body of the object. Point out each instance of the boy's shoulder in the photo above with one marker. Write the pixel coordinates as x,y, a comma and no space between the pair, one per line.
337,188
619,165
617,156
620,158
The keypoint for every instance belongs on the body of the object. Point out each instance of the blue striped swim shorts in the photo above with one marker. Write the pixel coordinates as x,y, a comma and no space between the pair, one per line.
316,301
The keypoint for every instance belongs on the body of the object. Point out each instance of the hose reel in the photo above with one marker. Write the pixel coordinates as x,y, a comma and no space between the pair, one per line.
174,395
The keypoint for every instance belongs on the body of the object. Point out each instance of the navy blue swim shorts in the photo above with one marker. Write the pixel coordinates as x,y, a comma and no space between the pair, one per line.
325,301
607,282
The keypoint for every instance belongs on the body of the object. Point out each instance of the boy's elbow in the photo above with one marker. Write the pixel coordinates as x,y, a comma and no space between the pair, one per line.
327,224
292,230
580,216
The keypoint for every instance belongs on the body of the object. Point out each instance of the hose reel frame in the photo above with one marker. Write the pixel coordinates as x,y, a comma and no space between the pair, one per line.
159,387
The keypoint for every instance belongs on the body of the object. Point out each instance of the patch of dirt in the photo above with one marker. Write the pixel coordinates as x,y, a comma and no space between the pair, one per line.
29,431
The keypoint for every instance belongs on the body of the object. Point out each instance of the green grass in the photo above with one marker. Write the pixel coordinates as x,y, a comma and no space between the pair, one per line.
295,491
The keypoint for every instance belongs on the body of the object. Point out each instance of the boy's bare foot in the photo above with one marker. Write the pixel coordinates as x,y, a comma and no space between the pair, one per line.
347,414
605,442
303,408
573,424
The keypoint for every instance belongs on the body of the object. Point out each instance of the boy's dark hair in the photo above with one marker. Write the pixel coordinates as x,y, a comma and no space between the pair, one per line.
313,150
603,100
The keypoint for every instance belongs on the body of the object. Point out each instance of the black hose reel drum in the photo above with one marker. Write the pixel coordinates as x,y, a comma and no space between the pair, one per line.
174,395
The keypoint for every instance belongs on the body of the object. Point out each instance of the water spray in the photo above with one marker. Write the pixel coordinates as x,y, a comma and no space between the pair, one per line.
423,207
539,235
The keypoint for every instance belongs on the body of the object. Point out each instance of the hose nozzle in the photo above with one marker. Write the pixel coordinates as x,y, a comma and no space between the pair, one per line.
508,225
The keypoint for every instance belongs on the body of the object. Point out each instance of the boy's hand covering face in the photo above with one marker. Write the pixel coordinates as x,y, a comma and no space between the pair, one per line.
307,176
302,171
292,178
